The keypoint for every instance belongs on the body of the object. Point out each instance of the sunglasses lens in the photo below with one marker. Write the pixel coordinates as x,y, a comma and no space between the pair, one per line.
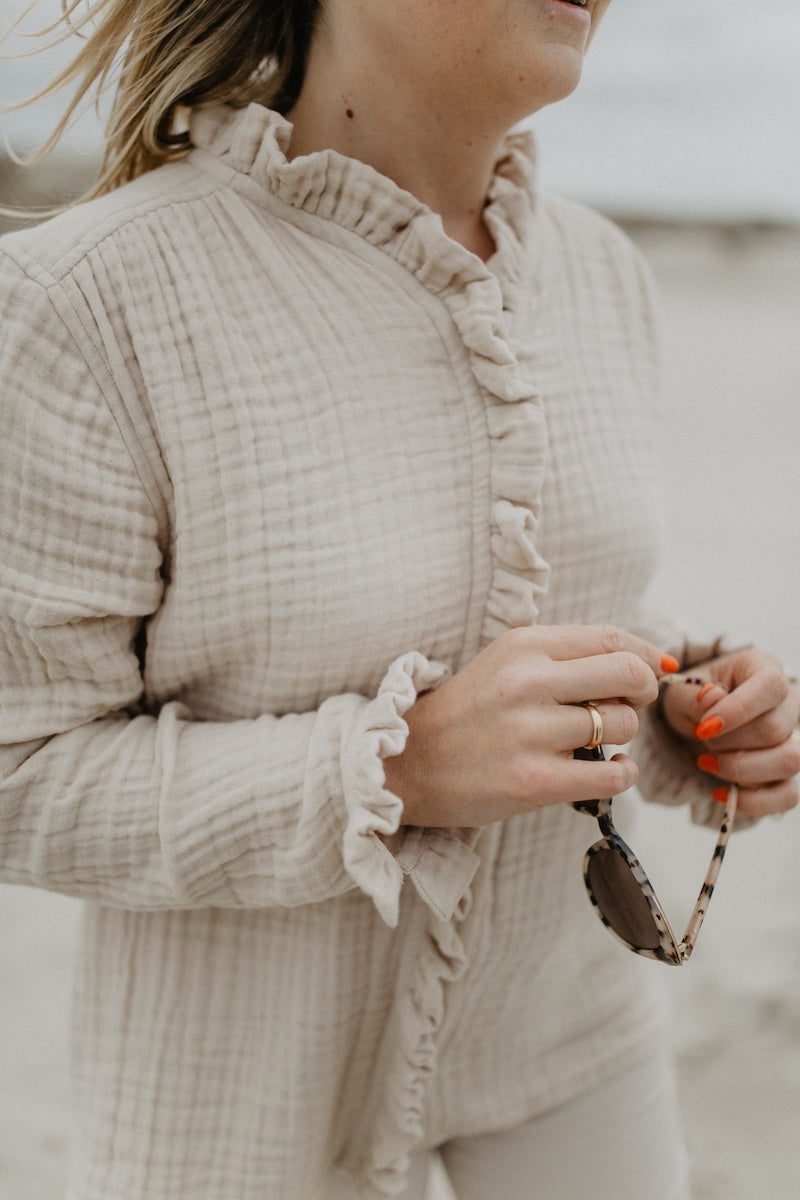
621,900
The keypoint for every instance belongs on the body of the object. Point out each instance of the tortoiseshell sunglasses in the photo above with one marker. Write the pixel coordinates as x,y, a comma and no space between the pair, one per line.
623,895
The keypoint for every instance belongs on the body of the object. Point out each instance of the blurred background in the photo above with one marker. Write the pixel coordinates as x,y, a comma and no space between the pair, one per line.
686,130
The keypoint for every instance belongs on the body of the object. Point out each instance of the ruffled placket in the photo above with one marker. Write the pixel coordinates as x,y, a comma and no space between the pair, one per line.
478,298
474,298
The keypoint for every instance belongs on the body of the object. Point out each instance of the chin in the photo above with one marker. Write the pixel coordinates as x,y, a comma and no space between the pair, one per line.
560,81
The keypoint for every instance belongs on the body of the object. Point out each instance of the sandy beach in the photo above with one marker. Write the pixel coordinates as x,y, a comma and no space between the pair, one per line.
730,299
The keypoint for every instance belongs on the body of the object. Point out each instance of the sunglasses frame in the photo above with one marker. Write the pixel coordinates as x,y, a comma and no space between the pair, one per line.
669,950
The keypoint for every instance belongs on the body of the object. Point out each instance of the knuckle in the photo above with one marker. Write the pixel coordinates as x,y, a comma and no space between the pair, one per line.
611,639
517,637
780,687
620,776
512,645
783,797
520,650
757,804
628,723
761,660
773,728
731,768
767,801
637,674
738,714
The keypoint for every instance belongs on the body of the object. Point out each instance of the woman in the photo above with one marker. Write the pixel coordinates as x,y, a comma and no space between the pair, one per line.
329,500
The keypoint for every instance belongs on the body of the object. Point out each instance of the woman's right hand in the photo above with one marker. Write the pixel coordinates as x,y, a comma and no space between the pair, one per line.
498,738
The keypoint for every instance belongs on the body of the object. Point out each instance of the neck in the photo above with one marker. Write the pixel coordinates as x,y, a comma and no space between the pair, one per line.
445,159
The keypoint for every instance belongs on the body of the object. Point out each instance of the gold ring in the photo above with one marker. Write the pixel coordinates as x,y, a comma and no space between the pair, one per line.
597,726
795,735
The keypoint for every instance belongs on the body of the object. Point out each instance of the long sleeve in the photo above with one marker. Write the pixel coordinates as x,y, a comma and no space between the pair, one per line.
142,809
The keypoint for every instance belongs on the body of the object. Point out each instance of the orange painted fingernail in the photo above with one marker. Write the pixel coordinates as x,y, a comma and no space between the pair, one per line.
669,664
705,689
720,795
709,728
709,763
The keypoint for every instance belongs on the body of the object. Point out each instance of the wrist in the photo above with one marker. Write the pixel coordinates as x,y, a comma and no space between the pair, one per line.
402,771
396,780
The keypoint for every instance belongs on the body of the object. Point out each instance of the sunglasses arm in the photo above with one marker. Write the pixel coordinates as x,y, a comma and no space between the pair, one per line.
690,937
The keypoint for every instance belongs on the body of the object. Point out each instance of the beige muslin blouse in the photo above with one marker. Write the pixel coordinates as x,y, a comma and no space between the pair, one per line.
277,455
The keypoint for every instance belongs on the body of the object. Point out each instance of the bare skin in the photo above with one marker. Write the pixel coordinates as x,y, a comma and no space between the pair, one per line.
476,66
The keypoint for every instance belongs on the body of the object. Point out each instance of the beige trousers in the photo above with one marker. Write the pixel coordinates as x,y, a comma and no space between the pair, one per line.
621,1141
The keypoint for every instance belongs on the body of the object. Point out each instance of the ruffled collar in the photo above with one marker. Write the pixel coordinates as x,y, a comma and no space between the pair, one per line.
254,142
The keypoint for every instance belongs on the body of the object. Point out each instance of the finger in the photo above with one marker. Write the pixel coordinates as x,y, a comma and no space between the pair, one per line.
766,689
602,780
563,642
770,729
620,725
621,675
755,768
768,801
709,694
573,780
687,699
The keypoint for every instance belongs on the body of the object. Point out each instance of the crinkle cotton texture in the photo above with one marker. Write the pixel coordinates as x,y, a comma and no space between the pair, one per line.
278,455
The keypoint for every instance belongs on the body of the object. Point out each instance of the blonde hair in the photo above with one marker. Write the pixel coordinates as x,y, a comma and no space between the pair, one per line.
164,55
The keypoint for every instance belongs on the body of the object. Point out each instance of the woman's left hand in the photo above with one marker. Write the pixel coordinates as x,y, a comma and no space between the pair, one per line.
742,727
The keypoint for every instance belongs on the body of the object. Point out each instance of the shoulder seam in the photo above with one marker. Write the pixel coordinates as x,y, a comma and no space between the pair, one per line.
89,238
66,312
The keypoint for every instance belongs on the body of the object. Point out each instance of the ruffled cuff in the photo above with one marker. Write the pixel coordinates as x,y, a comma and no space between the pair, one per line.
440,865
